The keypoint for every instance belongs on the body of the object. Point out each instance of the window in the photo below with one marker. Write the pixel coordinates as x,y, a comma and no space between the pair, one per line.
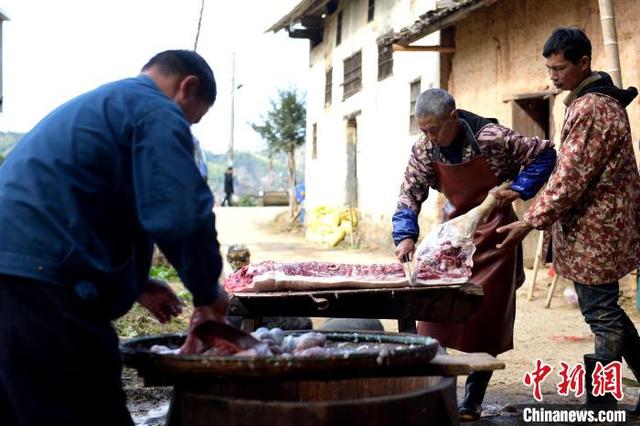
352,75
371,10
339,29
385,62
414,92
328,87
314,141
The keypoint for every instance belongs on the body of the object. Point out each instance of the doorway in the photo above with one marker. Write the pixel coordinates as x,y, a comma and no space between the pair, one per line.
352,163
531,117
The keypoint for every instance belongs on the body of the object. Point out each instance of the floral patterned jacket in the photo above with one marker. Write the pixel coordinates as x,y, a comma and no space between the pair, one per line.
505,150
593,195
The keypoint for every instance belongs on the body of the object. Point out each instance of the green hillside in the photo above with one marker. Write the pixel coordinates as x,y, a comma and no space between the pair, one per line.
7,141
253,172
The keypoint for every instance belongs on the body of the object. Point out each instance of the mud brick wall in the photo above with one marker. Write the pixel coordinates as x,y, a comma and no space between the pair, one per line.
499,53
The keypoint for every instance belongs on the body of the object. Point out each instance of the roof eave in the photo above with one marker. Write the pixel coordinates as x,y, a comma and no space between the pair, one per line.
433,21
305,7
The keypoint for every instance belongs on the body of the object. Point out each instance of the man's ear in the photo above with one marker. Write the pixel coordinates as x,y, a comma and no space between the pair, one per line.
584,63
189,86
454,114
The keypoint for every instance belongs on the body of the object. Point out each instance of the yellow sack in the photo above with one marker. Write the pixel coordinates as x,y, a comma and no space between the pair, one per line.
346,215
330,237
335,237
328,225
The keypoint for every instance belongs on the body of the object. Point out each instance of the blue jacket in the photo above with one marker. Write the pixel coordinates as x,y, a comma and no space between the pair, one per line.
86,193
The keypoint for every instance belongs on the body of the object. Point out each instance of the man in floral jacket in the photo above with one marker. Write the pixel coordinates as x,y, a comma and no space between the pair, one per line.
592,199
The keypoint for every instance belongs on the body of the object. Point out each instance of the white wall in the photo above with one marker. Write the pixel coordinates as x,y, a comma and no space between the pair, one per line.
384,141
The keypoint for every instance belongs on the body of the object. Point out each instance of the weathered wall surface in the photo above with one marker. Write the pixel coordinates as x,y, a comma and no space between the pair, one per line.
499,53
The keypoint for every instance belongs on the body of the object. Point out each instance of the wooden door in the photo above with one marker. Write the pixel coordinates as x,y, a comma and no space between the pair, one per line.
352,163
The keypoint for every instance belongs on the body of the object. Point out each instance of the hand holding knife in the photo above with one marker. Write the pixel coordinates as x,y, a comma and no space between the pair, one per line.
409,268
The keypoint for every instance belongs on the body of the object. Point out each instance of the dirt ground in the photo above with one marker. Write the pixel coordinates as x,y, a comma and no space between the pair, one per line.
552,335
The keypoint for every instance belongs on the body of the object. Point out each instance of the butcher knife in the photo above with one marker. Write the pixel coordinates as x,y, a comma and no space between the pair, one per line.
225,331
409,269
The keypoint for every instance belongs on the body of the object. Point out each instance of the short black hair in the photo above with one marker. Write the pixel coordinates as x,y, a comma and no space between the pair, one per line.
572,42
184,63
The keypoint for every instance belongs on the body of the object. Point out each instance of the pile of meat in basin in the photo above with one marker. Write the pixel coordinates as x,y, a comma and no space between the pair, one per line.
272,343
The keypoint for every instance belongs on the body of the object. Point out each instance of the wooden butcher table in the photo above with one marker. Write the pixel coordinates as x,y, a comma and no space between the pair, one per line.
449,303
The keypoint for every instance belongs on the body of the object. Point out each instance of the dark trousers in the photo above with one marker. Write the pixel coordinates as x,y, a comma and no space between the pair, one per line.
615,335
227,199
474,389
59,362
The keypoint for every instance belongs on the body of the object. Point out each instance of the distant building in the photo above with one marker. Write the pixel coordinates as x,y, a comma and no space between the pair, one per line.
360,97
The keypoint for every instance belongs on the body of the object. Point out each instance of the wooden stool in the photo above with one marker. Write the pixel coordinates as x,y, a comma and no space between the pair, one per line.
536,265
552,288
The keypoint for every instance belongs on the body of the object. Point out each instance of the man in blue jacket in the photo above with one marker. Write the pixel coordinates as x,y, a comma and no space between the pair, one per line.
83,197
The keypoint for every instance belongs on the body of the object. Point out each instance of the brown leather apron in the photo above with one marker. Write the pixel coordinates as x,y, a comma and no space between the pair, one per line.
491,328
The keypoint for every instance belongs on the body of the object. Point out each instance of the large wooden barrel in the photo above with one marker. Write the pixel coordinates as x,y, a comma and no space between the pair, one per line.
368,379
405,401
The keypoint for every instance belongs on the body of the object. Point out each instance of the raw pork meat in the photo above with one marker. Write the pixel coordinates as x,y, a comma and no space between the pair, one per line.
211,345
449,261
274,276
445,262
272,343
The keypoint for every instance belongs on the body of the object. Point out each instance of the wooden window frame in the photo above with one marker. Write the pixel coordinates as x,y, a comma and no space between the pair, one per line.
339,25
352,82
371,10
314,141
328,87
413,123
385,61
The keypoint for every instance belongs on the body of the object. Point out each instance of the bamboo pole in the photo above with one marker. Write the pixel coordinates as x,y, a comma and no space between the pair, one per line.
608,22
